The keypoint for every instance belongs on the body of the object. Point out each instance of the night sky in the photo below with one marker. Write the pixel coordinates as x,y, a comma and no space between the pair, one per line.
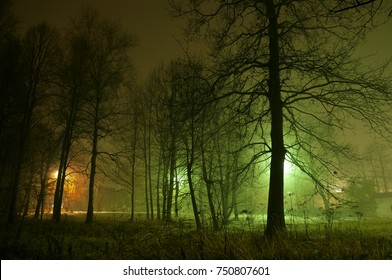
150,22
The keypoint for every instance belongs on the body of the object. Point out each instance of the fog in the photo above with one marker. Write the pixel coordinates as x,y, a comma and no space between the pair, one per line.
236,123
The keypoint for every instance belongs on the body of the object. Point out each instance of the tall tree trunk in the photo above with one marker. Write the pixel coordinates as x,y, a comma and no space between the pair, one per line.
62,170
207,177
150,185
45,166
65,150
41,195
164,184
93,169
133,164
190,157
234,202
145,156
14,187
234,183
375,177
23,135
177,192
383,173
275,219
149,166
325,197
170,190
146,188
158,187
59,184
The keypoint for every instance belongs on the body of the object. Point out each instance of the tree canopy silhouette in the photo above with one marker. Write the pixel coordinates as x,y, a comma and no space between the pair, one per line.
294,63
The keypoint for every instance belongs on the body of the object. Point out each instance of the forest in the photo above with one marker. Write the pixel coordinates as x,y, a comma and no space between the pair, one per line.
268,140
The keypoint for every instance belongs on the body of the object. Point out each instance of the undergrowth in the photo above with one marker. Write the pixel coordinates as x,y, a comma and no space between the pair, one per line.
178,240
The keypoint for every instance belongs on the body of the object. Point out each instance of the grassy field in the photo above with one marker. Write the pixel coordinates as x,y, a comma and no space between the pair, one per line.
113,237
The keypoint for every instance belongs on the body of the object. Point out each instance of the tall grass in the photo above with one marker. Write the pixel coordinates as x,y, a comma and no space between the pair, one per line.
114,239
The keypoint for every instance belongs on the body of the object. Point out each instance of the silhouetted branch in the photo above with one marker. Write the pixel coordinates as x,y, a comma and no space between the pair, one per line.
357,5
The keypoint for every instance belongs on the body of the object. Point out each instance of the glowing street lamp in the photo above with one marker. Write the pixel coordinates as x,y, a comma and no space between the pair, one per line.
55,174
288,167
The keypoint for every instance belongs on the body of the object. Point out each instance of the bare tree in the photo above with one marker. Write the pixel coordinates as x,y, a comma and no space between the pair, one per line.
48,146
126,168
74,88
10,96
191,110
156,90
377,156
165,91
40,53
296,58
106,50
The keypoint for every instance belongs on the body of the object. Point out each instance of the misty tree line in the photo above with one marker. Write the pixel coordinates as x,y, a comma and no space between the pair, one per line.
279,81
59,96
292,68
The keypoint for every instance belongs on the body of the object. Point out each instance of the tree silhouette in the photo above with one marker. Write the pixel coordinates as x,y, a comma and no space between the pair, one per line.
10,89
295,60
39,54
105,47
73,89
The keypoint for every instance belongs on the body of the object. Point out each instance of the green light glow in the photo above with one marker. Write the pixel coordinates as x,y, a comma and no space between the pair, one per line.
288,167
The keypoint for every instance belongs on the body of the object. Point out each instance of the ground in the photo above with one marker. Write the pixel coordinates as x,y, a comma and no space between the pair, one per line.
112,236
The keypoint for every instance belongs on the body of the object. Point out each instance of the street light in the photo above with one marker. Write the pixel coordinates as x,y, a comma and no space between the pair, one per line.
288,167
55,174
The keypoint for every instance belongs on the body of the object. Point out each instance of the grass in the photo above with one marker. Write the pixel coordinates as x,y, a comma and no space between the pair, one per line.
118,239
